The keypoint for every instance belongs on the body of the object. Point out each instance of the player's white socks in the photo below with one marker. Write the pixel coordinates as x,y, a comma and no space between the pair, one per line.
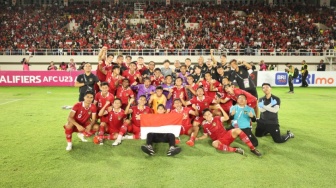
127,137
69,146
118,140
119,137
81,136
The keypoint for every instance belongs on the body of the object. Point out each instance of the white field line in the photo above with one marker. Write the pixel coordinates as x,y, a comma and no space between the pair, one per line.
10,101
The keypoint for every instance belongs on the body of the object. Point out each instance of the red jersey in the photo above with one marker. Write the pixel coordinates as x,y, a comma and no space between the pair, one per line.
101,76
101,100
111,80
82,114
131,77
177,92
189,93
249,97
108,69
137,111
156,81
126,66
201,104
215,128
226,106
206,86
124,94
185,111
143,68
115,120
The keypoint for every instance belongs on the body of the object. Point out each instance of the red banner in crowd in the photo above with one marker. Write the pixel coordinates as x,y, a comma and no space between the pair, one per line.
38,78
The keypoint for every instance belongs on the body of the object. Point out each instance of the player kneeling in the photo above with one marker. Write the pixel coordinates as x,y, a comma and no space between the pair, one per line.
81,119
213,127
186,128
114,124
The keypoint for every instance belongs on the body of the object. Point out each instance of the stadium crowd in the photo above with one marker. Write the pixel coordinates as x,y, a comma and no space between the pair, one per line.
265,30
123,89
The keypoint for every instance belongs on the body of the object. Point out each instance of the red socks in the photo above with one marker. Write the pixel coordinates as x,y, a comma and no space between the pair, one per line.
223,147
101,132
246,139
123,129
68,134
192,138
109,137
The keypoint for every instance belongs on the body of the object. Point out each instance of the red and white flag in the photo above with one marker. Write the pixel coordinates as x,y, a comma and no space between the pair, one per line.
160,123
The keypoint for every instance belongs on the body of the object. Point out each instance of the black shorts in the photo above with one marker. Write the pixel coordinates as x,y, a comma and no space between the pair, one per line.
160,137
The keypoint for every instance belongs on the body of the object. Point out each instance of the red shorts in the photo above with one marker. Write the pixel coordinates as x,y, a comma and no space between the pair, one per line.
103,118
74,128
199,120
185,129
113,129
227,138
252,104
135,130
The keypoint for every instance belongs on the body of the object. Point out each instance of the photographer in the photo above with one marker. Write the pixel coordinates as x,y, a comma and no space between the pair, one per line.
86,81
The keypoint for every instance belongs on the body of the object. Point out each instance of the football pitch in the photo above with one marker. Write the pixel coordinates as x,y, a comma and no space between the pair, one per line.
32,148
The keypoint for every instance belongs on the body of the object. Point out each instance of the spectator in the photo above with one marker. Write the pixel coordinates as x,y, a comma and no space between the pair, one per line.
63,66
263,66
25,63
52,67
271,67
321,66
81,67
72,65
292,33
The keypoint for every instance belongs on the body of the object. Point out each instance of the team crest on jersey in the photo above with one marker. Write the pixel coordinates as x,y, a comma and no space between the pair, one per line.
91,80
126,94
135,77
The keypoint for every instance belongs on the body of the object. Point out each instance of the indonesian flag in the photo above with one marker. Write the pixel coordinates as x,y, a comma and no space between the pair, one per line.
160,123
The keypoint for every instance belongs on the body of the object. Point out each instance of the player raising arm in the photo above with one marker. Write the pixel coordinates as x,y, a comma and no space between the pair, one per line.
115,121
135,122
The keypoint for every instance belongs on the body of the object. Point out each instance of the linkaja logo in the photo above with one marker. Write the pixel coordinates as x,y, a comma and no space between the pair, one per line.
281,78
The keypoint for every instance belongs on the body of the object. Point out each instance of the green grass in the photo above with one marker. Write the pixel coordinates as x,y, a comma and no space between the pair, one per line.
32,149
